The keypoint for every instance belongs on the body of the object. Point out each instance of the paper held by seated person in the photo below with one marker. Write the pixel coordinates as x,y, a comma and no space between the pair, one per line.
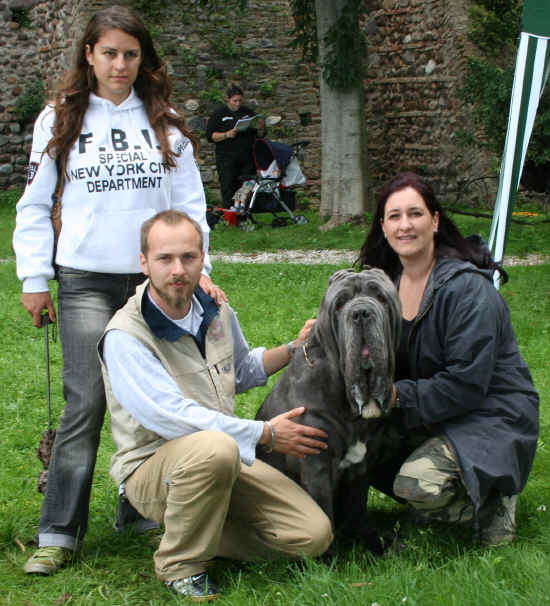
244,123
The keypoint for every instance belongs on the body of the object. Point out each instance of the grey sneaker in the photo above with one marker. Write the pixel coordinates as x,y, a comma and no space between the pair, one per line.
197,588
47,560
501,527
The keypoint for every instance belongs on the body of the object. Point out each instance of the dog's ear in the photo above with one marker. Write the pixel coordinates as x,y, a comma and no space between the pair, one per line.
386,287
396,319
339,275
326,322
393,305
379,275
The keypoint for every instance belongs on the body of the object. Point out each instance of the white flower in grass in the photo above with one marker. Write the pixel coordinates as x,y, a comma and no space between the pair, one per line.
541,508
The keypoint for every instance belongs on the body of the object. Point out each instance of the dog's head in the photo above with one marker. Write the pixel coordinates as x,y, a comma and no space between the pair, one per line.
359,322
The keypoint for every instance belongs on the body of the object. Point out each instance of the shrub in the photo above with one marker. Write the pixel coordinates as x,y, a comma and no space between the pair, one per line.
149,9
212,96
21,17
225,45
29,104
268,87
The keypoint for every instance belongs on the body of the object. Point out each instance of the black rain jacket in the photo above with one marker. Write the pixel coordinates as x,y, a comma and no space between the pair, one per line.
469,381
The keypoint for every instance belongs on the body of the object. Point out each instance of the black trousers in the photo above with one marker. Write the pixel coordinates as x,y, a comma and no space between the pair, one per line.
230,168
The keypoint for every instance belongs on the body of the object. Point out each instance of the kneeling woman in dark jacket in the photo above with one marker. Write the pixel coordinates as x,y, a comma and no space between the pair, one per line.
464,402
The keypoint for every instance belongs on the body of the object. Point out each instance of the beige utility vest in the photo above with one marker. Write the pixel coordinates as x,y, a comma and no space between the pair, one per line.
209,381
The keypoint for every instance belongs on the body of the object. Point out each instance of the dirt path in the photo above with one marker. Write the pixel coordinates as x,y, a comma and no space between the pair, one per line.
327,256
334,257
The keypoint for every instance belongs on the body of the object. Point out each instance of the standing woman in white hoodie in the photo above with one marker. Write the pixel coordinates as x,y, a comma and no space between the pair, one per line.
123,155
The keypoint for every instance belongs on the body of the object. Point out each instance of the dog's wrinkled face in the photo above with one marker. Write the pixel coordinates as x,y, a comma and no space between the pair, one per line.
360,316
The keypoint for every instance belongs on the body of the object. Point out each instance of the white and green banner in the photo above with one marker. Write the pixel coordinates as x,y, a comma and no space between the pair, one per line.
531,74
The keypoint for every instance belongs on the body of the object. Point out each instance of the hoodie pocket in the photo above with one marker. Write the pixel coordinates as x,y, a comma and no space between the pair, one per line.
113,239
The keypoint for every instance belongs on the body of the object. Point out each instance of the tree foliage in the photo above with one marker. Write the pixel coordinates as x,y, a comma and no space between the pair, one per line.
214,4
305,29
495,27
344,42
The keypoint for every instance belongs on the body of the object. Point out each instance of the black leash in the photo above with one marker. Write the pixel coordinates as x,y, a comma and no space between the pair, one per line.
48,437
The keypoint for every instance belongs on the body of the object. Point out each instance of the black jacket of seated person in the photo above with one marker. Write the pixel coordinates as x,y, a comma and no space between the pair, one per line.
234,156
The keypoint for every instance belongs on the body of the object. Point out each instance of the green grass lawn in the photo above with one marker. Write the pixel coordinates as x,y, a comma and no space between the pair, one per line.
439,567
531,235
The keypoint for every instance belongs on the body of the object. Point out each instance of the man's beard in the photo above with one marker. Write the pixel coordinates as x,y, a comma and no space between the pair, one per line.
178,302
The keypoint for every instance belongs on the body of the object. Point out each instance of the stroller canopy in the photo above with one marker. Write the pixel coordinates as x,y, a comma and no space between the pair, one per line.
265,151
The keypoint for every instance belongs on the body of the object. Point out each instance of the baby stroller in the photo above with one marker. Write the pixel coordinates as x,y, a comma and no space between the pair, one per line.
269,190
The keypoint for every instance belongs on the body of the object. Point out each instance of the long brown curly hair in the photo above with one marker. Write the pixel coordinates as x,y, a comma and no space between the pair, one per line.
152,86
448,241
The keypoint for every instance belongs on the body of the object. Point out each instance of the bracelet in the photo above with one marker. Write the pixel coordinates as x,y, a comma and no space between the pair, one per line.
269,447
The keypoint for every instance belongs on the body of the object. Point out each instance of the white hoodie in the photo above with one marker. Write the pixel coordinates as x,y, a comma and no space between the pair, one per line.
116,182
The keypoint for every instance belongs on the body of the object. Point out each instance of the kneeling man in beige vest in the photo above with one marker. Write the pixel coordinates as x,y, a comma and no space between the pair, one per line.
172,362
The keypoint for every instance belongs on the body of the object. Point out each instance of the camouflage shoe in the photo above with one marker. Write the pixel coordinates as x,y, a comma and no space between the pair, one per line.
500,528
197,588
47,560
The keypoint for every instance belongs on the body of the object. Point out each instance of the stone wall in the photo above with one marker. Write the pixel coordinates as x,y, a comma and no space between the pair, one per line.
206,52
29,55
414,116
415,62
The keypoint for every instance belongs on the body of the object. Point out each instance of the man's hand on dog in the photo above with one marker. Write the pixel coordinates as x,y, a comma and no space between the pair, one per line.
304,332
293,438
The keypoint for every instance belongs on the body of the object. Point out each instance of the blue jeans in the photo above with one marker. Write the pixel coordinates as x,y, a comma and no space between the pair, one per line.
87,301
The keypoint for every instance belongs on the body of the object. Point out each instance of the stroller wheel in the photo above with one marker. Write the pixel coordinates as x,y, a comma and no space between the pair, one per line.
279,222
247,225
299,220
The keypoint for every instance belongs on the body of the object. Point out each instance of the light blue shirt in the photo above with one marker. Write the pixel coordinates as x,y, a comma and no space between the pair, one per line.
144,388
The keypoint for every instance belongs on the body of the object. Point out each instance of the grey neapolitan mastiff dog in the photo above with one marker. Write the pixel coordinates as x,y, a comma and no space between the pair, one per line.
344,377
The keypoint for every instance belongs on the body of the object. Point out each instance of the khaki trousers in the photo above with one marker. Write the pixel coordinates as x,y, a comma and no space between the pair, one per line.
211,505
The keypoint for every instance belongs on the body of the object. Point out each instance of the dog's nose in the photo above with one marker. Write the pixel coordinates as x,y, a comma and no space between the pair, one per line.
359,315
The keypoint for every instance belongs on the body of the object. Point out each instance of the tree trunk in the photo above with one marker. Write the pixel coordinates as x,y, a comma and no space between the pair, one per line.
343,179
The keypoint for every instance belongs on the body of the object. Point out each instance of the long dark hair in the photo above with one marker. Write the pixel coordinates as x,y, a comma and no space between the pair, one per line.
448,240
152,85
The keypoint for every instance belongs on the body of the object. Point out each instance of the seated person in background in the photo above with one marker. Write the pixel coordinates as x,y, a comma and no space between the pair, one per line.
172,362
464,402
240,197
234,149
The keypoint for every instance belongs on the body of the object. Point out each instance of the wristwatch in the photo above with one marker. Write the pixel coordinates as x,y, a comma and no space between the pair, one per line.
291,348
